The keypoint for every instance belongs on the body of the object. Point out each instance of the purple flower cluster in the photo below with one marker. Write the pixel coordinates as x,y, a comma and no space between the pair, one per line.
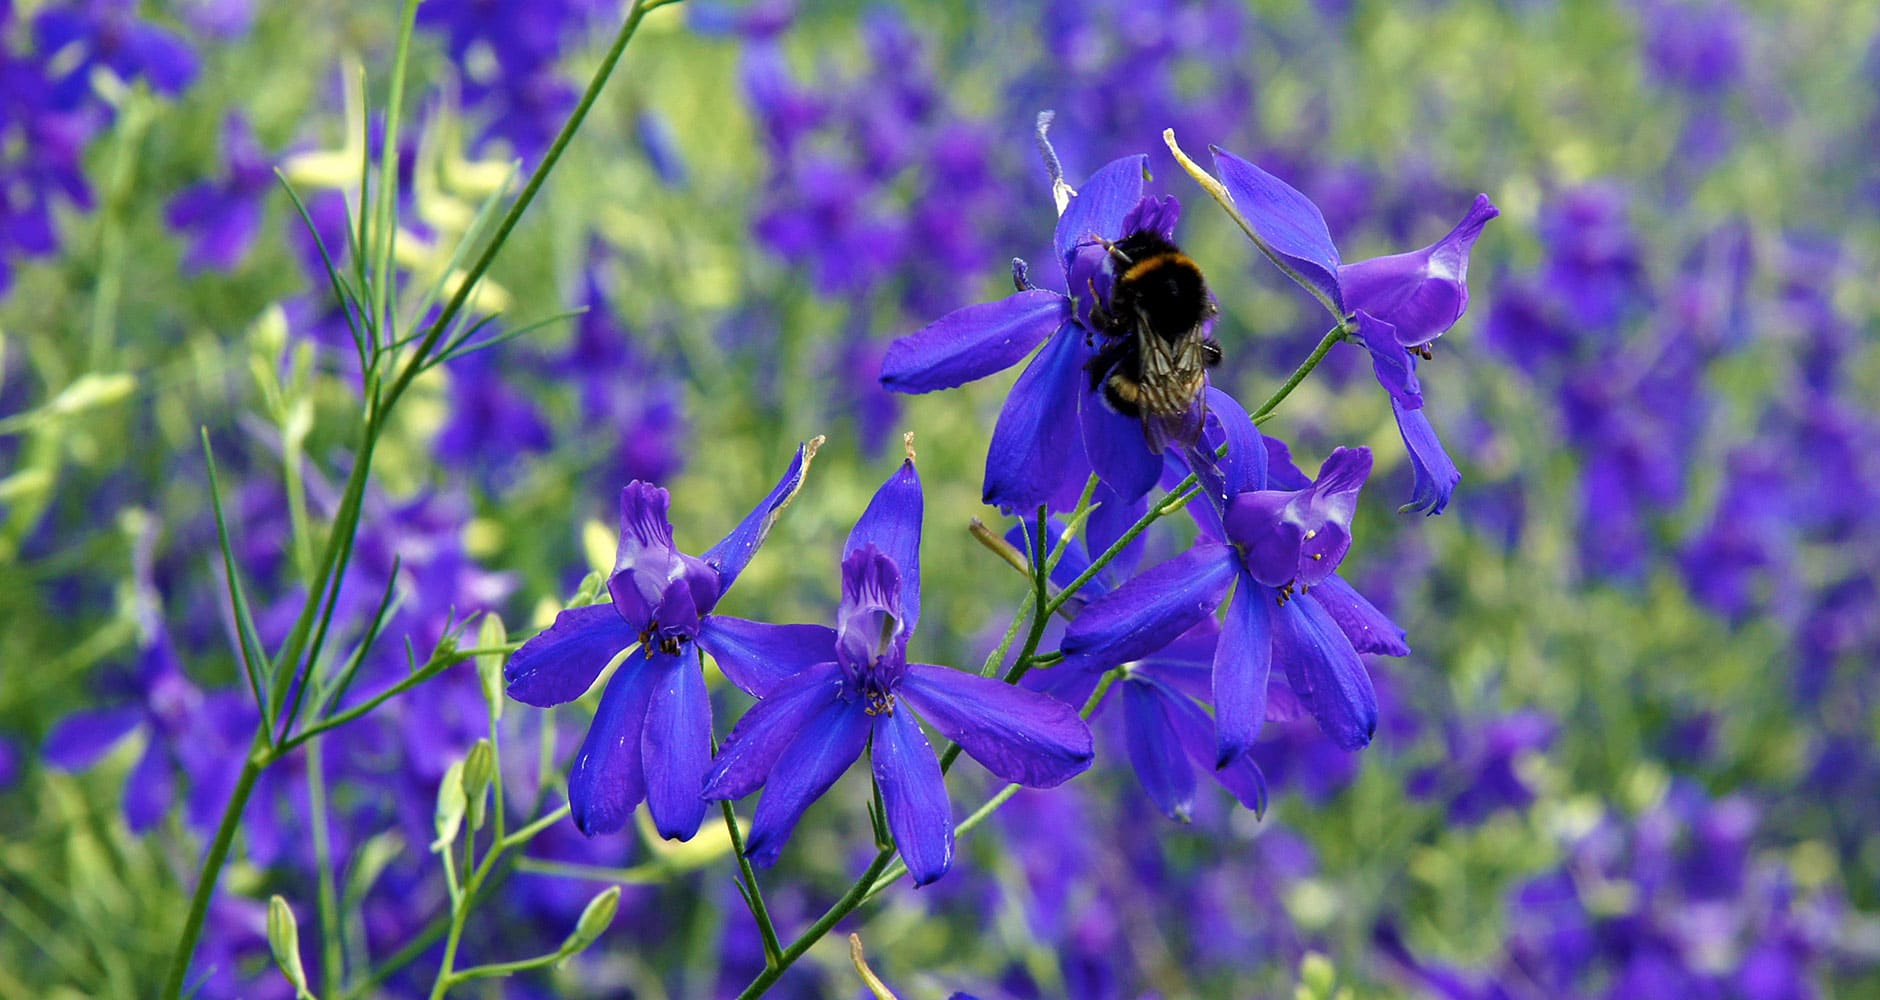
508,54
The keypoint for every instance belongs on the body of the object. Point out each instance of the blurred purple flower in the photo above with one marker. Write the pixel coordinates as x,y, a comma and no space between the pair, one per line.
222,217
108,34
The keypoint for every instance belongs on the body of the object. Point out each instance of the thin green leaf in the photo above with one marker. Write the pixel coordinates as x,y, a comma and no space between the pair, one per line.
457,351
347,673
348,299
248,638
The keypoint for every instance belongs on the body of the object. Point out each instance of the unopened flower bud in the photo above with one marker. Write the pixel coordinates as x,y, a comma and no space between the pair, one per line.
450,806
490,635
284,942
596,918
478,768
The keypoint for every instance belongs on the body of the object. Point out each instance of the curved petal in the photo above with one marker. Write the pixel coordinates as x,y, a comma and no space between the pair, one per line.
1242,776
1396,371
645,563
734,551
1325,672
1117,448
560,662
1245,463
973,342
84,736
608,778
676,746
759,657
807,767
1036,445
915,794
1155,750
759,739
1022,736
1100,206
1270,541
1369,629
1150,610
892,525
1242,660
1109,520
1286,220
1421,294
1436,475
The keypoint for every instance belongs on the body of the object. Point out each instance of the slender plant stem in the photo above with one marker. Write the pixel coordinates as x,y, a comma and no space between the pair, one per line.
332,958
212,864
841,908
773,948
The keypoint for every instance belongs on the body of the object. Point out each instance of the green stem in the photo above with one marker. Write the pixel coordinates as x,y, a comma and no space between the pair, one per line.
252,766
841,908
1332,336
505,968
773,948
332,960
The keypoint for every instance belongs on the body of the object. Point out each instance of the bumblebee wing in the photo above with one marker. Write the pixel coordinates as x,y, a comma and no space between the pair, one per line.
1173,377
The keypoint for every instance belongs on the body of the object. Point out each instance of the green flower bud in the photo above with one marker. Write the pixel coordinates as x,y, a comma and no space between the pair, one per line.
284,942
594,919
450,807
478,768
490,665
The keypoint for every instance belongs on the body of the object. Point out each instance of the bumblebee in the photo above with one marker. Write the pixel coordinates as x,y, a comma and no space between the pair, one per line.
1153,361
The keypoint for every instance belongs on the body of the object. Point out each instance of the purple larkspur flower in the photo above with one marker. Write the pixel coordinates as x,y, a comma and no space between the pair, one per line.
1274,539
1054,427
651,736
222,217
166,709
1401,303
108,34
826,694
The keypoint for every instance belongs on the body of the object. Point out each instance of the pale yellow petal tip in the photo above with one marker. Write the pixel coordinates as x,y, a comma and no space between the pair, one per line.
812,446
1202,177
907,444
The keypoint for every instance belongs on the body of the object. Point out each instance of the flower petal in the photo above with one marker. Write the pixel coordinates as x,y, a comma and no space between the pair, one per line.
1100,206
1270,541
1036,444
676,746
758,657
1396,371
1117,448
1155,750
915,794
151,788
812,762
759,739
1288,221
560,663
734,551
1242,776
892,525
1150,610
1325,672
973,342
1436,475
1421,294
1244,466
1022,736
608,778
1369,629
1242,660
82,737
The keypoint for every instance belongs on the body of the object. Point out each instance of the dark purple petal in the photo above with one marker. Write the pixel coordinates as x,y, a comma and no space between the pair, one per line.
1155,750
161,55
1242,660
1269,540
1369,629
914,792
1288,221
1281,473
81,738
1146,613
1325,672
807,767
645,562
871,629
1395,369
1036,445
1242,776
734,551
149,790
892,525
973,342
759,739
758,657
1244,466
1109,520
609,777
1325,512
1117,449
1423,293
1021,736
560,663
1100,206
676,746
1436,475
